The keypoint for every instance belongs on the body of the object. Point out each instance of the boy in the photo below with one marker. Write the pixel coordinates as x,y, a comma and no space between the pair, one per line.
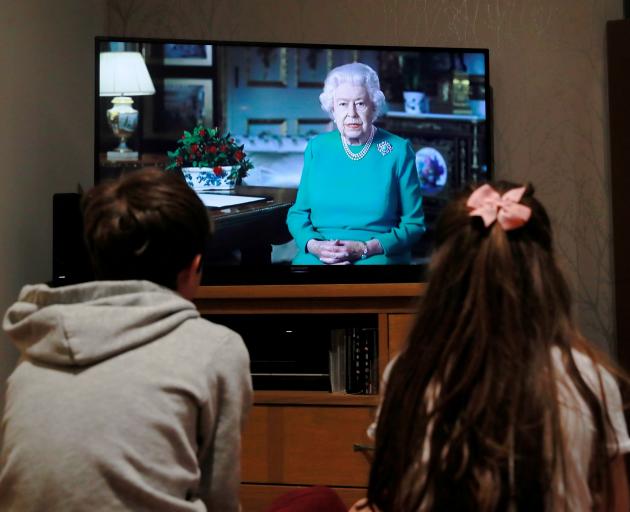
124,398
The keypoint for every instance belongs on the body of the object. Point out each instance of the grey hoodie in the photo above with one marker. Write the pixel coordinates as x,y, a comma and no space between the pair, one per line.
124,398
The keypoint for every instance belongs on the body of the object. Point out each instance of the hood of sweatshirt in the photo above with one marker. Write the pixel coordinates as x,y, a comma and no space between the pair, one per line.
80,325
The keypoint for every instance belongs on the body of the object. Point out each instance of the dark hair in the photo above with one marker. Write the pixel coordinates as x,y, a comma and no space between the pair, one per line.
148,224
470,418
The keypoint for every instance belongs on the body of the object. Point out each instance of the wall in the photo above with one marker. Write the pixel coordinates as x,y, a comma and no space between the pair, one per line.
547,67
46,141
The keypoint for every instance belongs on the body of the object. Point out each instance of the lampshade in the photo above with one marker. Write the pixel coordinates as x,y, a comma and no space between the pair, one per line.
124,74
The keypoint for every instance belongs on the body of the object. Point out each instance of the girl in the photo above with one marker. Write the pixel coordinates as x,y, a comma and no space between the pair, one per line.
497,402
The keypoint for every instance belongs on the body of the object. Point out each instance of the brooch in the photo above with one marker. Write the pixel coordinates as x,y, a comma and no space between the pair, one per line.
384,147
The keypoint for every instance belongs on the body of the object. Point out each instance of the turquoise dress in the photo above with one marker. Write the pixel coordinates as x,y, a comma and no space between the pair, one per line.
375,197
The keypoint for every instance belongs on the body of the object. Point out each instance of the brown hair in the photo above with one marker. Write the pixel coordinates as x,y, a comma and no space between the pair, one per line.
470,418
147,224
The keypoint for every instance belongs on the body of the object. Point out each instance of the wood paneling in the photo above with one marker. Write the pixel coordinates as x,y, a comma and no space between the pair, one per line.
306,445
399,327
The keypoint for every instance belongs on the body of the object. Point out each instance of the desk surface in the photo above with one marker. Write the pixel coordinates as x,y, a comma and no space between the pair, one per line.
256,224
277,198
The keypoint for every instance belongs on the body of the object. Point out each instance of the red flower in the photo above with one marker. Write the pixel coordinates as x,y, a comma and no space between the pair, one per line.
179,160
194,148
212,149
238,156
218,170
183,137
202,133
223,148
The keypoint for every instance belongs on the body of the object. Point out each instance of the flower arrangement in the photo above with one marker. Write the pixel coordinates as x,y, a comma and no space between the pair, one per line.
205,147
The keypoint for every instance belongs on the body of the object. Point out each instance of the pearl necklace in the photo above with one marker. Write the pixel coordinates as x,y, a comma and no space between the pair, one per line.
363,152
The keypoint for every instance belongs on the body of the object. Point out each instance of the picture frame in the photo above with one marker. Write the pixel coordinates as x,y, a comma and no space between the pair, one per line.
178,105
312,66
187,55
267,67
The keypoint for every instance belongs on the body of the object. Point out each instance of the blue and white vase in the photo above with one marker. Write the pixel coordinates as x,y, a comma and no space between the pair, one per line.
205,178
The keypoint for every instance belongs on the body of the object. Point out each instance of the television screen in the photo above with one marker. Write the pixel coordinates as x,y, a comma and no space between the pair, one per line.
362,166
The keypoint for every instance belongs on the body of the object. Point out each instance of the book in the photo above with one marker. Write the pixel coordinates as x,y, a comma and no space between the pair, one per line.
362,362
337,360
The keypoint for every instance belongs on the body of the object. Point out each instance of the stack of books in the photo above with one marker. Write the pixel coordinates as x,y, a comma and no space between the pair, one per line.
353,360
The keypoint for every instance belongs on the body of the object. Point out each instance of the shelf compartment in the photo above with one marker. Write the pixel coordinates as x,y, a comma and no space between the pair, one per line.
291,351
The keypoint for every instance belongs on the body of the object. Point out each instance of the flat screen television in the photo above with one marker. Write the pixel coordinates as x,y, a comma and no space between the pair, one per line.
266,96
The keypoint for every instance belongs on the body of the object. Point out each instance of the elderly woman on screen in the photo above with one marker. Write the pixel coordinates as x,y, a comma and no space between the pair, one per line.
359,197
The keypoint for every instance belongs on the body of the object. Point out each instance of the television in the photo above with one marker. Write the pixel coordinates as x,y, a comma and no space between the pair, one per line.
266,97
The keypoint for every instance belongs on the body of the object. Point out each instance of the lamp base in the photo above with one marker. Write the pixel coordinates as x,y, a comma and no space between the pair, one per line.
123,119
122,156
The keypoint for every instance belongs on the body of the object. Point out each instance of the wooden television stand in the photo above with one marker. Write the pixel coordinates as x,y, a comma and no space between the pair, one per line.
301,438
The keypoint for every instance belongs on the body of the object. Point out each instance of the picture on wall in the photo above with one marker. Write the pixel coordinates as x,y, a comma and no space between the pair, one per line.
180,104
187,55
313,64
267,67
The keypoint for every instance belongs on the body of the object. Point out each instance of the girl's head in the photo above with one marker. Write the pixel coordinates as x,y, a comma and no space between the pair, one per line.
506,279
470,419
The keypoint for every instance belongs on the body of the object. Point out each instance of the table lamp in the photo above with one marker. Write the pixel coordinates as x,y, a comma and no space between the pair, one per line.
123,74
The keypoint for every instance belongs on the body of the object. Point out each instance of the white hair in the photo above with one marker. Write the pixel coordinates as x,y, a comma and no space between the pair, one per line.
355,73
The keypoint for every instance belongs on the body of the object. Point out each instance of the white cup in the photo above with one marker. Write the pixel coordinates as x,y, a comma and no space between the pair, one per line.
413,101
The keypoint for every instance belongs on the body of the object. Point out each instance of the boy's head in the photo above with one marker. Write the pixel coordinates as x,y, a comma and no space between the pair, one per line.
148,224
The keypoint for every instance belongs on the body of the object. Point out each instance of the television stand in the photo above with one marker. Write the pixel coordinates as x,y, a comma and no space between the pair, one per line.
297,438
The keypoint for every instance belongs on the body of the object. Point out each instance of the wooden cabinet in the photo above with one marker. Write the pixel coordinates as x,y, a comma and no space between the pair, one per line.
297,438
618,50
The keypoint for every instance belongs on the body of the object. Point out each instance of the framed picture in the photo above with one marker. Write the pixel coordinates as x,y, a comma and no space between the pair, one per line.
179,104
187,55
267,67
313,66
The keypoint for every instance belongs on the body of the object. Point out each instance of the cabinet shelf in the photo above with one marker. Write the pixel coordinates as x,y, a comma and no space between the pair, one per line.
326,291
313,398
322,298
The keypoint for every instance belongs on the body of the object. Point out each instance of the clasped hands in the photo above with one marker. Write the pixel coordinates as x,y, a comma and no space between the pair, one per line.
336,252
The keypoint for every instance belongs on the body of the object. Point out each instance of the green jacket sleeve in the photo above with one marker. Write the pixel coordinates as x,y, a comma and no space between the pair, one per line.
299,215
411,225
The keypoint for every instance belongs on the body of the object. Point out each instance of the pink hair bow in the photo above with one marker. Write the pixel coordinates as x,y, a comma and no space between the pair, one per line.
488,204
